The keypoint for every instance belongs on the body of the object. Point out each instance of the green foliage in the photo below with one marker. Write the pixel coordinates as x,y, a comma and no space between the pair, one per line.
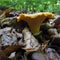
32,5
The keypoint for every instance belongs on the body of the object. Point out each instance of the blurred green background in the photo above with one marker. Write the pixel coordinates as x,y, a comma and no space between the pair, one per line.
32,5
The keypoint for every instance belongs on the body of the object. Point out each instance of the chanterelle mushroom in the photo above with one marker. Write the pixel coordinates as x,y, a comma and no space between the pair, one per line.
34,20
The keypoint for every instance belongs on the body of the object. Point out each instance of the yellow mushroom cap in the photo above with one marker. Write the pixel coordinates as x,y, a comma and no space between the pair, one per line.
35,20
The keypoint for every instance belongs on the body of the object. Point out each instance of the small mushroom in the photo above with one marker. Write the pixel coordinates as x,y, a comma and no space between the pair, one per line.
34,20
